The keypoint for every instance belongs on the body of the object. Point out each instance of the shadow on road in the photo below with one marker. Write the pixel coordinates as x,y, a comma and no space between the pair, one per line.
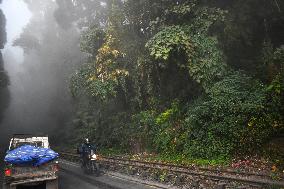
42,186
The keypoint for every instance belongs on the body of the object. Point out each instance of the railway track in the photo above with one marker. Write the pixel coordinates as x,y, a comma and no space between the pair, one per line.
249,178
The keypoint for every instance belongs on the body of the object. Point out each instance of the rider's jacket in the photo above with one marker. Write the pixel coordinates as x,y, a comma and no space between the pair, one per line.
85,149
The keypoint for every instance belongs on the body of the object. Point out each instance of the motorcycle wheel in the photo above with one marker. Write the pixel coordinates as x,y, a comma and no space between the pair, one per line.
95,168
81,164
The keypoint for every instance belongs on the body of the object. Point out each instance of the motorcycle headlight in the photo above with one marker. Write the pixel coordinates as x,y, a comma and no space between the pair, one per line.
94,156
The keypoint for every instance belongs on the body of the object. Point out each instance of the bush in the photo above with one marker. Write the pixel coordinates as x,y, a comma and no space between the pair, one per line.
169,132
227,121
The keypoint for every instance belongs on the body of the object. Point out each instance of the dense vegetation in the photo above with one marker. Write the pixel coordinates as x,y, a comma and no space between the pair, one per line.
4,81
200,79
184,78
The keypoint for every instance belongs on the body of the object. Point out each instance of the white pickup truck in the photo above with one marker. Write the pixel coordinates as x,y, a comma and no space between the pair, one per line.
28,175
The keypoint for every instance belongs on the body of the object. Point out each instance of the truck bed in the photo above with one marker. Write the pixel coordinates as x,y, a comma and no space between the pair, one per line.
30,174
24,171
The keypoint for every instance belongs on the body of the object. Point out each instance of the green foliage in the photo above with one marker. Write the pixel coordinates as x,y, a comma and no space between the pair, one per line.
168,114
223,123
278,57
168,131
103,90
231,119
205,60
117,130
207,65
3,34
92,40
83,84
84,126
184,160
148,49
143,127
100,78
111,151
275,91
246,26
170,38
4,78
182,9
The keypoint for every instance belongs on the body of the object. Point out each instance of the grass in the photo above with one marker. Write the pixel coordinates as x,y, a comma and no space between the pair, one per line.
172,159
183,160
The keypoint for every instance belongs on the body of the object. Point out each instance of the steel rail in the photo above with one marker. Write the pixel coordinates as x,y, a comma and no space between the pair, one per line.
191,167
179,166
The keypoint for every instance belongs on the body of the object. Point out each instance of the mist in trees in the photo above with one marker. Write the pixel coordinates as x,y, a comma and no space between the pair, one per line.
4,79
41,102
198,79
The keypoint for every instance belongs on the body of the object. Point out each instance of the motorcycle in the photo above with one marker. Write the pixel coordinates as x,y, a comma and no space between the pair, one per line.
91,166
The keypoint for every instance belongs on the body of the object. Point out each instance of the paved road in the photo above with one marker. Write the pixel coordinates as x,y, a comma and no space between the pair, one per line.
68,181
71,177
101,182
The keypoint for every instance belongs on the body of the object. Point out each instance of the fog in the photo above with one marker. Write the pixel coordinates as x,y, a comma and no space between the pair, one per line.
17,16
40,56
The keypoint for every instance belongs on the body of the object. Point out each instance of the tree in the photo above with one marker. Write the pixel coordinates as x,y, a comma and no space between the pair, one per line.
4,79
170,67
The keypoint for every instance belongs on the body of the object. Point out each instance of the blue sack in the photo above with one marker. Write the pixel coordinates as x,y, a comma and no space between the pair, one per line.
30,155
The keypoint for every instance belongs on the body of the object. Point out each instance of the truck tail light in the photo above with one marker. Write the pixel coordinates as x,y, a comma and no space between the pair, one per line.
8,172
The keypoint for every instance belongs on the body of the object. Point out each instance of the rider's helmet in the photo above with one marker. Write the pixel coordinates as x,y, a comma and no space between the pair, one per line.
87,141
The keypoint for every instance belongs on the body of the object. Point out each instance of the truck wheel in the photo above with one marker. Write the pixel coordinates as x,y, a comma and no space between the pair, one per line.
6,186
53,184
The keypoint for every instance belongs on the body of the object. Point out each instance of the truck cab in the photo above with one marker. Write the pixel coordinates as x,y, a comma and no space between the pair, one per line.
28,175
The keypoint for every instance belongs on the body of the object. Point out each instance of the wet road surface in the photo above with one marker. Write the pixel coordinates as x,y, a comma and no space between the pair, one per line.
104,181
72,177
68,181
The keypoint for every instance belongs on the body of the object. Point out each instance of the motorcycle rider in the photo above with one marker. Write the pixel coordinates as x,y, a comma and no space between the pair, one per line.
85,150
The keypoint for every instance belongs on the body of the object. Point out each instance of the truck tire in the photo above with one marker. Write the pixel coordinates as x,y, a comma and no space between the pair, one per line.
53,184
6,186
